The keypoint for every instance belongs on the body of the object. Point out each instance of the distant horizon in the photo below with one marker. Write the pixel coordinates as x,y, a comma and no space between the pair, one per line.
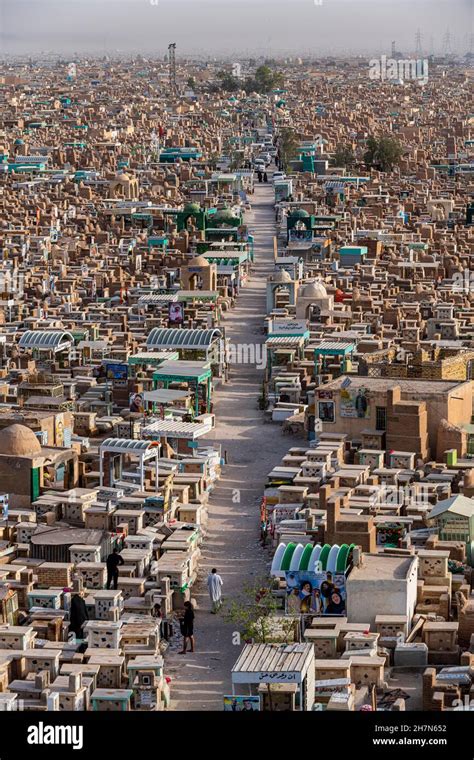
258,58
217,28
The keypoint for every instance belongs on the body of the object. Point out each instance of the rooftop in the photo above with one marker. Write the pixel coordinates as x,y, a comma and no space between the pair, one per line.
382,567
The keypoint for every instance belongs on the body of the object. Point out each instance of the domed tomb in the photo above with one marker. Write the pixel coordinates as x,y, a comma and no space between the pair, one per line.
20,441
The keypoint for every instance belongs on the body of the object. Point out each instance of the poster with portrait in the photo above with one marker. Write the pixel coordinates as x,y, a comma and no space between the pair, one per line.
175,314
59,430
317,593
326,411
136,402
355,403
241,704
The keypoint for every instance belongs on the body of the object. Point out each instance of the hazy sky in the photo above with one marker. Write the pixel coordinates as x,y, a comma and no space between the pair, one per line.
233,27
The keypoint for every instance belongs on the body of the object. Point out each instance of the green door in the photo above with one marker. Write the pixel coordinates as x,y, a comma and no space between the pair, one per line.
35,483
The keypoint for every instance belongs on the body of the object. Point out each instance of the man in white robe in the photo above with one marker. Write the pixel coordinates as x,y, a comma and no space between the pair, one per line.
214,584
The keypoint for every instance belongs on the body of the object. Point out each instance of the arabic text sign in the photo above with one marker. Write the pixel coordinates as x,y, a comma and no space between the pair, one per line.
279,676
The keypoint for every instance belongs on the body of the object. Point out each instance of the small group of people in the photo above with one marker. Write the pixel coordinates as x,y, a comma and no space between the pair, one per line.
323,599
262,176
78,614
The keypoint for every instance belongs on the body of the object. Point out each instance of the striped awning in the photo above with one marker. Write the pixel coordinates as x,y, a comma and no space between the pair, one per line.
158,298
129,446
161,338
46,340
334,185
177,429
264,663
285,340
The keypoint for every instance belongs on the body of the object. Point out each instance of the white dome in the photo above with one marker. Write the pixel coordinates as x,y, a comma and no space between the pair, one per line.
281,275
314,290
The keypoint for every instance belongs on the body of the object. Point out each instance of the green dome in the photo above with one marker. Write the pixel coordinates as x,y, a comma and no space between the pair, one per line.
192,208
225,215
300,213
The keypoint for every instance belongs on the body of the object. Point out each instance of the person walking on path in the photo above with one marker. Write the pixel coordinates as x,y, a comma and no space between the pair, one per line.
187,627
78,615
214,584
113,562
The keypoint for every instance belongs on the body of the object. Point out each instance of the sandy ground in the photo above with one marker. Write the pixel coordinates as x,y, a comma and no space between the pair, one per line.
200,680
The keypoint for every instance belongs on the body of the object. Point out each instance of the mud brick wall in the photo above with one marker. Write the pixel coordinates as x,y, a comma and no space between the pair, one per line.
54,574
367,540
455,367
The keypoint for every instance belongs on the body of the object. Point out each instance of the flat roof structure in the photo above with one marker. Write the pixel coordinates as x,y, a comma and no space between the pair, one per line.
176,429
380,567
425,387
182,371
259,663
277,664
152,357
